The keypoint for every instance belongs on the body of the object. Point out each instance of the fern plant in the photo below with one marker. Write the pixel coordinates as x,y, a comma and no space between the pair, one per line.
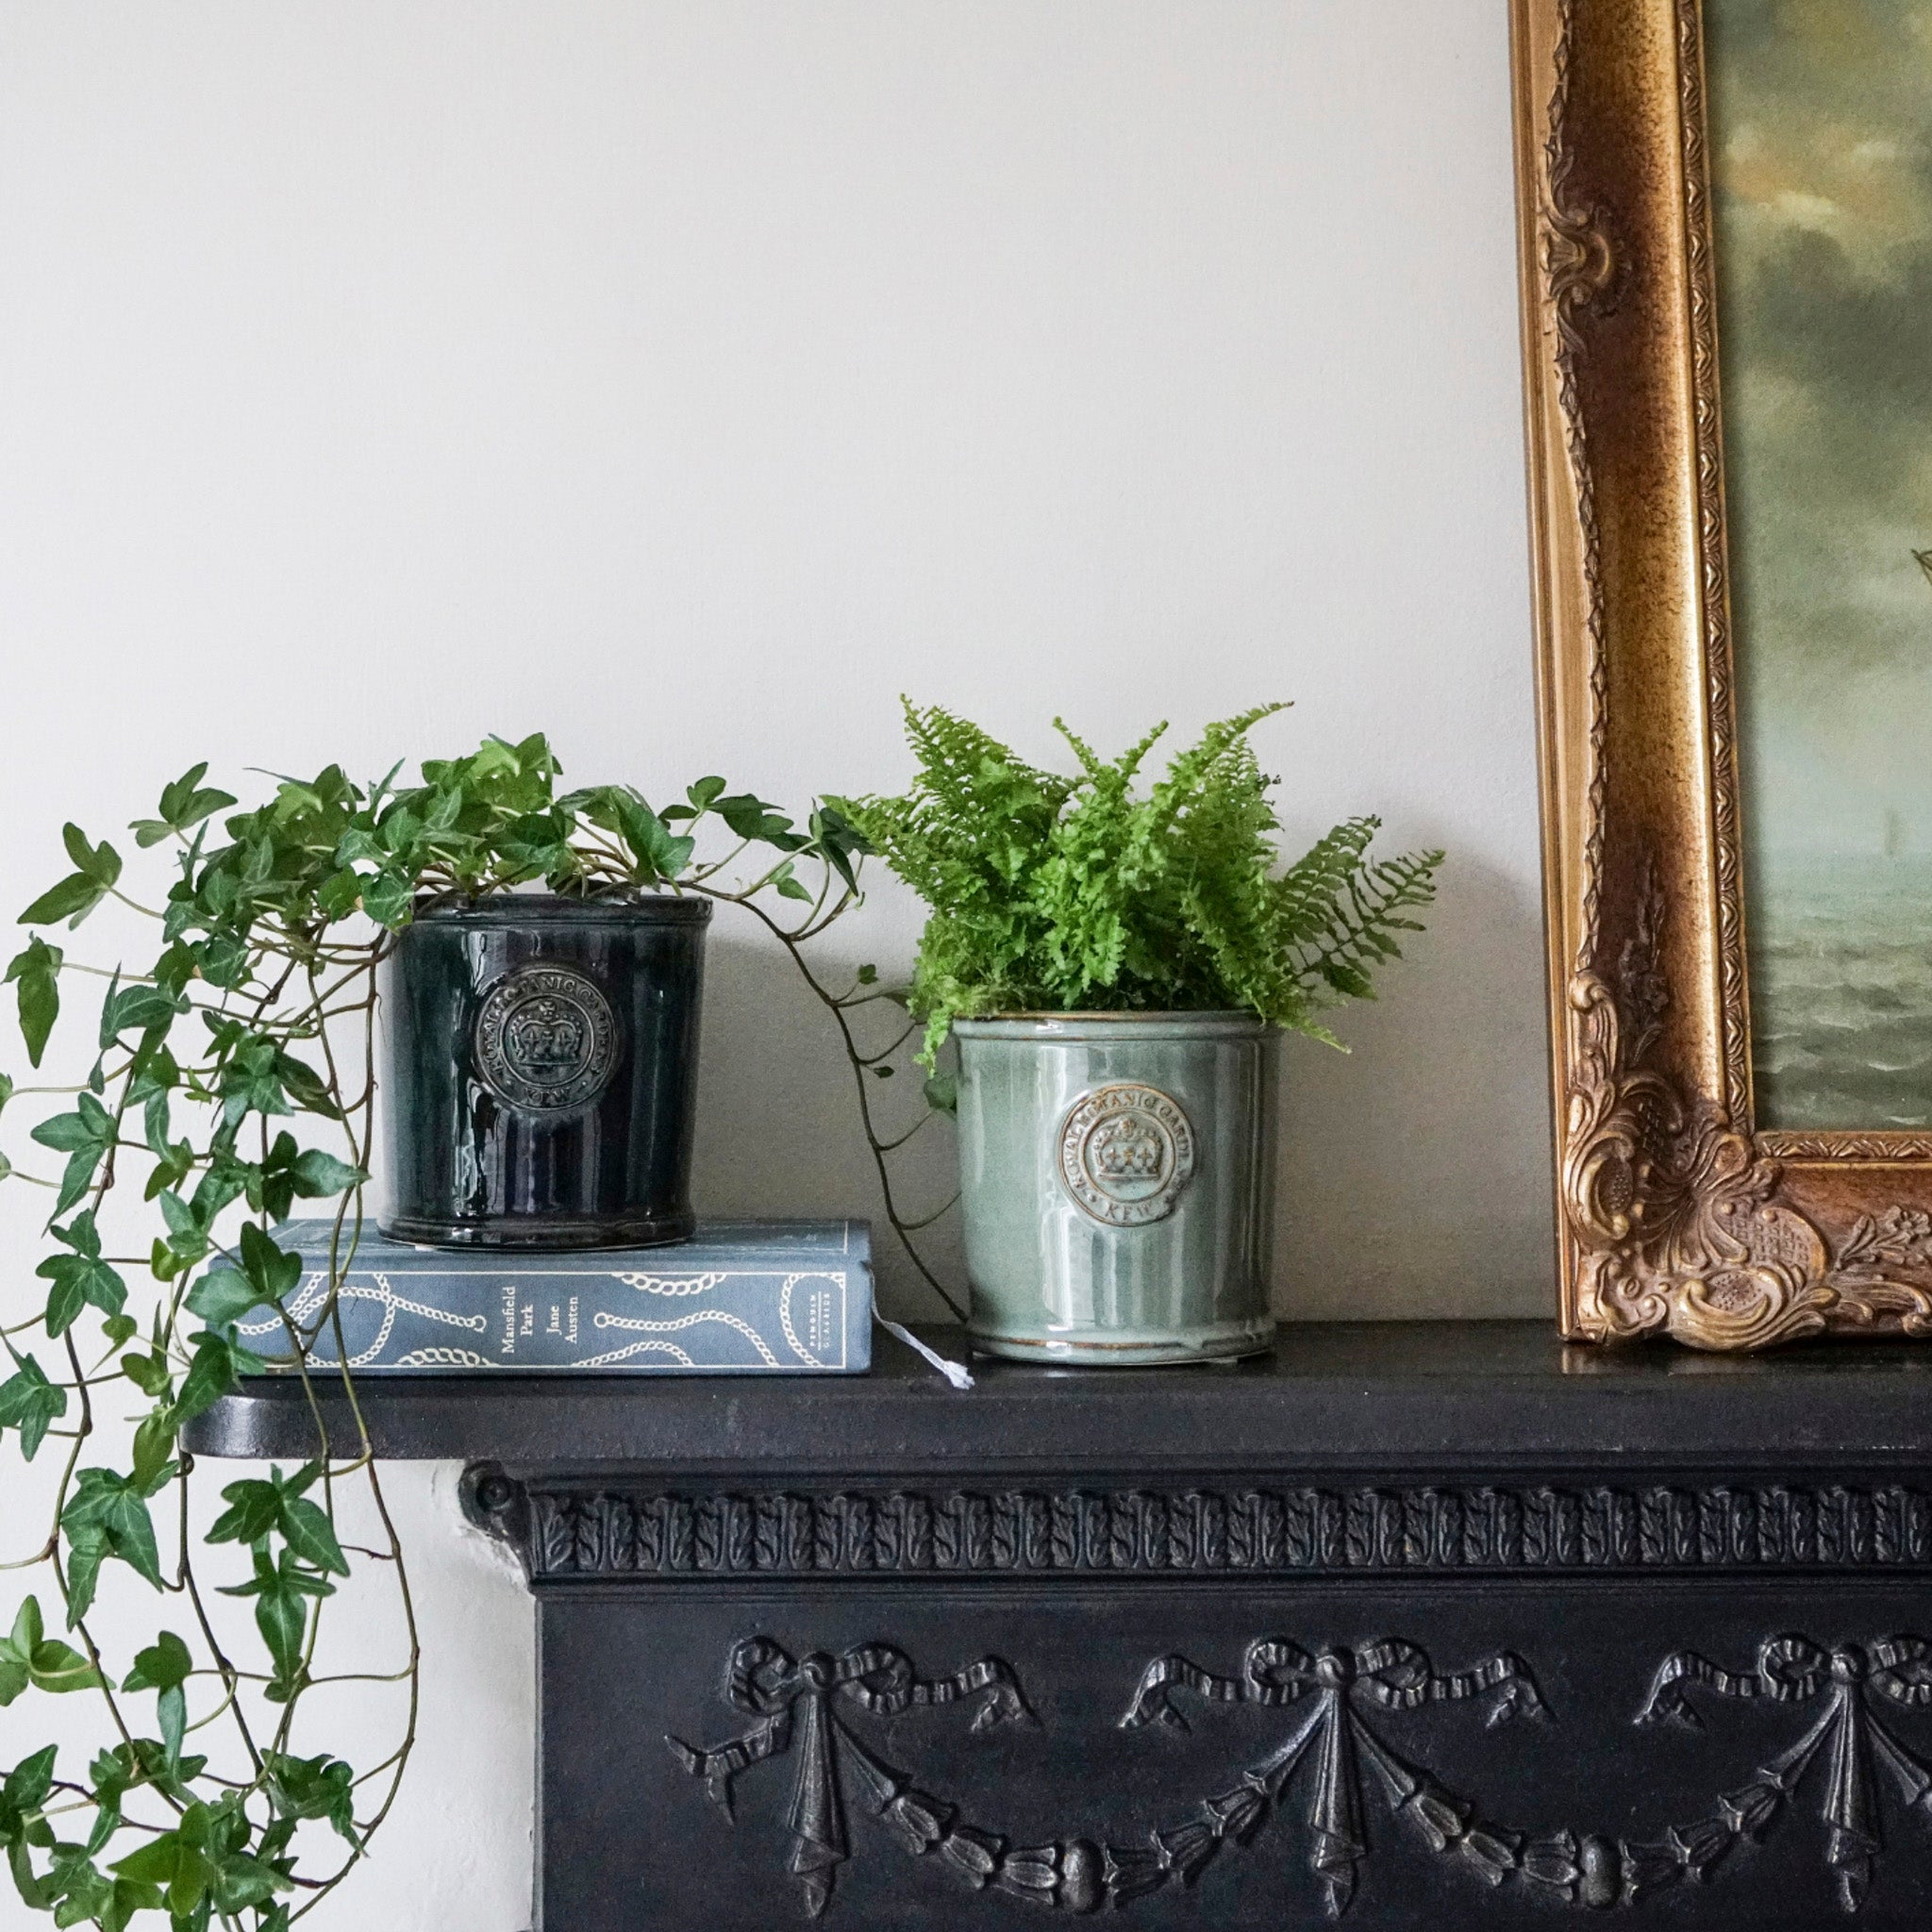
1055,894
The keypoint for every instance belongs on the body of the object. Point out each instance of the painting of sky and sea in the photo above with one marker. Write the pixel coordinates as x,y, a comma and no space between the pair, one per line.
1821,151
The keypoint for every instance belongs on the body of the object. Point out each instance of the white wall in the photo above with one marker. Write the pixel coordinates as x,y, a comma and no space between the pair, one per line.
688,377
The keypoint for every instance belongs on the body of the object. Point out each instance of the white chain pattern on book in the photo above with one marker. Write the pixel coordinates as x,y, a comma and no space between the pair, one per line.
606,1320
314,1294
658,1284
798,1348
670,1348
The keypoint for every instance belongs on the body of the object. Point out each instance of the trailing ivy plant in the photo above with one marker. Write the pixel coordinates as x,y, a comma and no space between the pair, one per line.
1068,892
227,1078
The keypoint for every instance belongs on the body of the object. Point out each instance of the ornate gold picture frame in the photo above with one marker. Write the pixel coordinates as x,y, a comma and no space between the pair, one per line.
1676,1213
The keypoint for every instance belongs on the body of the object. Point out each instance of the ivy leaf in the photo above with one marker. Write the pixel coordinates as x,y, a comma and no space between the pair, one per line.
841,841
224,1180
139,1008
99,864
222,1296
183,805
277,1507
217,1367
16,1651
252,1082
340,893
182,1870
164,1666
319,1175
387,898
29,1655
80,1277
154,1447
108,1514
30,1402
358,845
306,1087
312,1536
658,852
84,1135
166,1662
313,1787
187,1237
58,1666
254,1508
752,818
149,1372
279,1590
28,1783
943,1093
36,974
273,1269
97,870
73,899
271,1184
87,1550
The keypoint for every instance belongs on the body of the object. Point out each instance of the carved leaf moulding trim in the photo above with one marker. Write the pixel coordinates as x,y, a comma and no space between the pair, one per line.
1337,1705
1581,268
1726,837
1204,1532
1880,1146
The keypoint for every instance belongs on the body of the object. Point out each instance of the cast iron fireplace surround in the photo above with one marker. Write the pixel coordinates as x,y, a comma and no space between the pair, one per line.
1434,1626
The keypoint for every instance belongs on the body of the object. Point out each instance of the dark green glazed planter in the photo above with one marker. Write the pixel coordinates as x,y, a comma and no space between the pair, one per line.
537,1080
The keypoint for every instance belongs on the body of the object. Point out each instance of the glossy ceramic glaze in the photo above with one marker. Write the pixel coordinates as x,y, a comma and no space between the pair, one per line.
1117,1179
538,1082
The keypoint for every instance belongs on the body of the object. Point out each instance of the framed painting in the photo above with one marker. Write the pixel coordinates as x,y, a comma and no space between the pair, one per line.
1726,212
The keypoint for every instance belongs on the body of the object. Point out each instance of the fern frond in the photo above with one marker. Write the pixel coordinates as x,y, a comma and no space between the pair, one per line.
1058,893
1363,922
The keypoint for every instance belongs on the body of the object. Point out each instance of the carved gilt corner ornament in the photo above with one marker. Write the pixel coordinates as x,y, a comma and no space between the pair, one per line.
1678,1218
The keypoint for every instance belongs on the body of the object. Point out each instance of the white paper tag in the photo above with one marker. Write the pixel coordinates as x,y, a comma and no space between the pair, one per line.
955,1372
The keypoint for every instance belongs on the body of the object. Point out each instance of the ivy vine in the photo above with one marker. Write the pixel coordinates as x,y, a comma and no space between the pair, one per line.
231,1076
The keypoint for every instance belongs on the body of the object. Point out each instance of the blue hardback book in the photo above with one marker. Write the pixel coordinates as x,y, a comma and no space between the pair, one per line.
744,1298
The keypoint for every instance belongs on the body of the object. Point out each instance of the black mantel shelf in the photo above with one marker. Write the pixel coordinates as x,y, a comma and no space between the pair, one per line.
1224,1648
1407,1392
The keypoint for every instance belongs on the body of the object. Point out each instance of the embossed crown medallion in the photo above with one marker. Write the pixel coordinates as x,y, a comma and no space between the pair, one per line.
546,1039
1127,1153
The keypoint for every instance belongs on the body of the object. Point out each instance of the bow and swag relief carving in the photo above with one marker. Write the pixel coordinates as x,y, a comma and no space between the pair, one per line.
1848,1734
800,1702
1333,1758
1327,1746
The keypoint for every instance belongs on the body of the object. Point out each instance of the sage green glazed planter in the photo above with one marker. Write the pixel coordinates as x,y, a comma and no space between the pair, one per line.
1116,1178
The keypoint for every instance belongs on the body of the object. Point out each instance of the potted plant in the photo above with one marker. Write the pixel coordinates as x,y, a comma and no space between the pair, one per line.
1117,967
197,1092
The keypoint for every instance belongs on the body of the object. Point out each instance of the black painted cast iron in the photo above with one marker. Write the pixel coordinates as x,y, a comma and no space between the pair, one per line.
537,1076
